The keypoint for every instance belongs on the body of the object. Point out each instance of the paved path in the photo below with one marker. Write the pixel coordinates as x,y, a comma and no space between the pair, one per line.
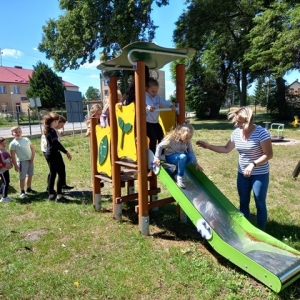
36,130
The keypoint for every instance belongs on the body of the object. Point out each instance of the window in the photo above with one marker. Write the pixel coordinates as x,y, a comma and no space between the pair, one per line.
4,108
106,82
105,92
18,107
2,89
16,90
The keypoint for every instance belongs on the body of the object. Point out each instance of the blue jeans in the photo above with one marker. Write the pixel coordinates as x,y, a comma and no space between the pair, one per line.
181,160
259,184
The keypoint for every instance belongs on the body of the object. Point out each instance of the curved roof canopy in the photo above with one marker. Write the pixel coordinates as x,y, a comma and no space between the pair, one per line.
154,56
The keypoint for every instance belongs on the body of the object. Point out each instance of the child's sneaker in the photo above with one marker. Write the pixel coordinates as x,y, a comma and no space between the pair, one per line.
5,199
23,195
180,181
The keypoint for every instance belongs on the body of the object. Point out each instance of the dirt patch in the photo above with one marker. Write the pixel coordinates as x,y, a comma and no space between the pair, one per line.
35,235
285,142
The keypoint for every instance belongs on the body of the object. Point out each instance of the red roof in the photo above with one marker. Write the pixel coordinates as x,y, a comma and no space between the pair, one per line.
20,75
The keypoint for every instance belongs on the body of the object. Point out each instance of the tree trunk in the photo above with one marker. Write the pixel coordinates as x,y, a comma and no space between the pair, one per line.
214,111
280,99
243,95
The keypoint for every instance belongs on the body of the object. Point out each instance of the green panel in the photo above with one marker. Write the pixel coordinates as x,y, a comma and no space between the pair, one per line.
240,228
155,60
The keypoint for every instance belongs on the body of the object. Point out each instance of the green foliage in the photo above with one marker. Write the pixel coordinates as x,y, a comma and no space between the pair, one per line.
218,31
89,25
47,86
92,93
275,38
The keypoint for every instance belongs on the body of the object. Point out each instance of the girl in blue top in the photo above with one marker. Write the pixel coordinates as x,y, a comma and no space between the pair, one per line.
153,102
254,146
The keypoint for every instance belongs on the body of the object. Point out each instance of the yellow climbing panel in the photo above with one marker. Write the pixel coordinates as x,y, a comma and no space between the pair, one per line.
126,131
167,120
103,142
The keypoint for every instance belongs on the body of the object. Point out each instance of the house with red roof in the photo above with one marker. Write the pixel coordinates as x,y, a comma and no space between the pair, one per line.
14,82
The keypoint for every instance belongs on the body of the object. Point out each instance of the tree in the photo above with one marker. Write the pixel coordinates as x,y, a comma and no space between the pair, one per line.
218,31
261,92
90,25
92,94
47,86
275,45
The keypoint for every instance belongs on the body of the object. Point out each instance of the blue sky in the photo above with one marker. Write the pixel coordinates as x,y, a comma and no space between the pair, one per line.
21,31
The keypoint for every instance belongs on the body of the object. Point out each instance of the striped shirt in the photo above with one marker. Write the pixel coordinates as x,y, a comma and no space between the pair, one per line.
250,149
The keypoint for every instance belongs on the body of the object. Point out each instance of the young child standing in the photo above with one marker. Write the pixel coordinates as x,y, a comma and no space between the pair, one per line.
178,151
53,157
104,118
95,112
22,148
153,102
61,123
5,165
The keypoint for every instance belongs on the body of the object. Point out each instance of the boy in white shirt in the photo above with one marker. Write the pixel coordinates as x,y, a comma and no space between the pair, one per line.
22,149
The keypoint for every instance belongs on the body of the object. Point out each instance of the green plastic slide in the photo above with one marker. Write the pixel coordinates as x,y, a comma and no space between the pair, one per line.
267,259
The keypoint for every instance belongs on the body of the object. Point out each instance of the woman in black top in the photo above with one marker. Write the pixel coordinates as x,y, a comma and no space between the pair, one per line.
53,156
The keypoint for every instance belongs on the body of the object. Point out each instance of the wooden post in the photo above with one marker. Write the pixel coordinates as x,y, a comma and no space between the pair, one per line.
180,92
180,95
142,148
116,169
94,157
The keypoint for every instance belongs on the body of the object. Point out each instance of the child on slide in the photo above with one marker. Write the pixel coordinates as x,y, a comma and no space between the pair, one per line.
178,151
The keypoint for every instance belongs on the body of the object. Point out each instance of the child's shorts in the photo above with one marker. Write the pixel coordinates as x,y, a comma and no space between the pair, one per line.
26,168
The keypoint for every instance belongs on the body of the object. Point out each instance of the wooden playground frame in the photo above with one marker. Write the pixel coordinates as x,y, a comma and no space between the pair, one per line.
146,195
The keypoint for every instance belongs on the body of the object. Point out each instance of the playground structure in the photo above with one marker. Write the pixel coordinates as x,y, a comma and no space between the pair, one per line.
278,128
119,155
128,145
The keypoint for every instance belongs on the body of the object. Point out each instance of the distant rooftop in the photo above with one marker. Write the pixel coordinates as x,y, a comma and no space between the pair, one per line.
18,75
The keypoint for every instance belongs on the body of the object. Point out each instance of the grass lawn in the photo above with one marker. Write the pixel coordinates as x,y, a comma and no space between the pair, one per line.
68,251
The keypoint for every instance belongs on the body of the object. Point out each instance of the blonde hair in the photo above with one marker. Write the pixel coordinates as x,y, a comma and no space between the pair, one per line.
180,133
93,110
244,112
14,128
119,95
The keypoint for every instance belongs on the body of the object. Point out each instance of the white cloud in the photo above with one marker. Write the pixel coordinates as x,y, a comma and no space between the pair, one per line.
12,53
169,93
92,76
169,82
93,65
35,49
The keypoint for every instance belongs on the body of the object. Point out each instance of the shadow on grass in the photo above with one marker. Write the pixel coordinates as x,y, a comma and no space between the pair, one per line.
83,197
170,229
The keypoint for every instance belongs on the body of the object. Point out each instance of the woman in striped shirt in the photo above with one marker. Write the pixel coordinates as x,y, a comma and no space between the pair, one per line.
254,146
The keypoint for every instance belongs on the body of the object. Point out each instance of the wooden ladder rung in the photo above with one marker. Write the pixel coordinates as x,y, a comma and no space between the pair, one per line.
126,164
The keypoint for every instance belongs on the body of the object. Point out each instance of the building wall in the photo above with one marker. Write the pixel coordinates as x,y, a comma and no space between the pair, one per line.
15,97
